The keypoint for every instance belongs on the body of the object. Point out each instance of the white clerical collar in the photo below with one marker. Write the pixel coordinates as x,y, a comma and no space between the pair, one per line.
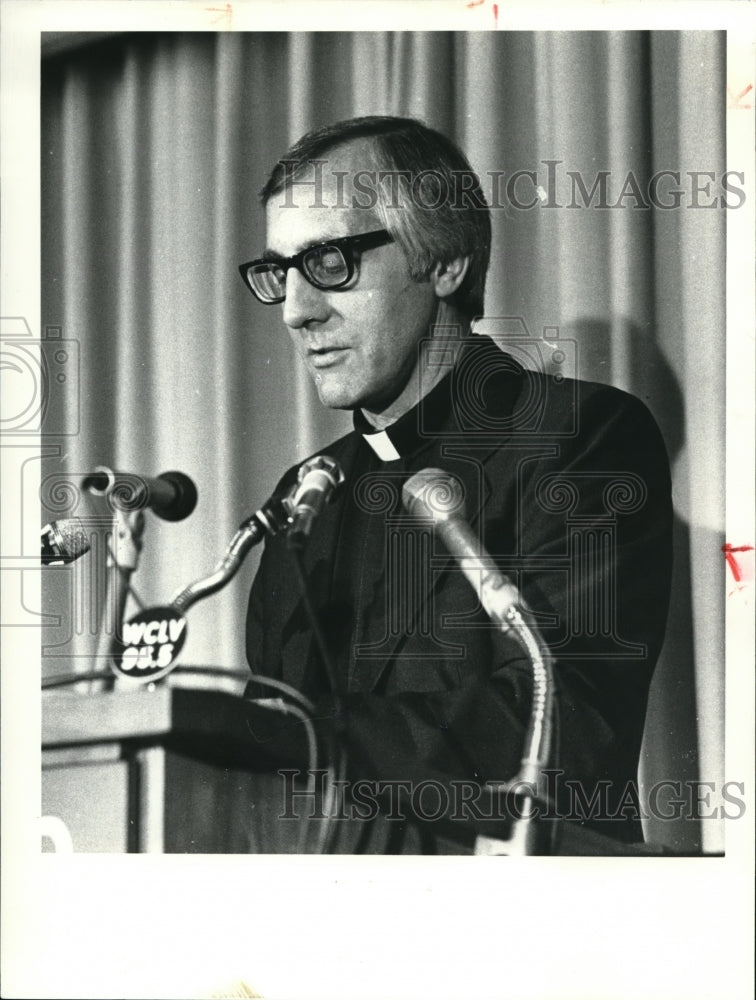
413,429
383,446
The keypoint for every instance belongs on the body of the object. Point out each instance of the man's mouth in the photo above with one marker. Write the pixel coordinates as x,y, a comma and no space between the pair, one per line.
324,357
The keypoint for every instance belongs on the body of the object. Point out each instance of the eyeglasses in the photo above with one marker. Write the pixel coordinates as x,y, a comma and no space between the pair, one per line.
326,265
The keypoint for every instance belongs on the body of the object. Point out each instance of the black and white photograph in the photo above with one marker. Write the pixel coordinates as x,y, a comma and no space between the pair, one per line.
383,403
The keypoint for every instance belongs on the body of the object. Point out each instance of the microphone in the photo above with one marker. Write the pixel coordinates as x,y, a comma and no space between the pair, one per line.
318,477
171,495
153,638
434,494
63,542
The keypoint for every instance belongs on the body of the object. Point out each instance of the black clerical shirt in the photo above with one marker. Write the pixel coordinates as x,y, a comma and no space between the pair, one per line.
359,606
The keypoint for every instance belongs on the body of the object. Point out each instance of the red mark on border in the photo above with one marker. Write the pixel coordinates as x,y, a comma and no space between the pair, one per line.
735,100
225,12
479,3
729,552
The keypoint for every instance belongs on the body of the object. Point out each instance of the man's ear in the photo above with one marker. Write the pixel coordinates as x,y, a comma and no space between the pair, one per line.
448,276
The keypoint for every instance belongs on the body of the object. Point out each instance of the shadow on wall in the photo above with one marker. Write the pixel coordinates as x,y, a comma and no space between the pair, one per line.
670,746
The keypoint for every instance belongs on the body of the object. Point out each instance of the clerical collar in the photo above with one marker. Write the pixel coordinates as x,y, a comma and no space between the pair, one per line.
413,429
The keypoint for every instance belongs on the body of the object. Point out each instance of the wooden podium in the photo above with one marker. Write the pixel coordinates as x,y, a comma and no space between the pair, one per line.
175,769
172,769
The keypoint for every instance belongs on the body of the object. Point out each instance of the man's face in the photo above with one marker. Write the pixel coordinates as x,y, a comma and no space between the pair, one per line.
359,342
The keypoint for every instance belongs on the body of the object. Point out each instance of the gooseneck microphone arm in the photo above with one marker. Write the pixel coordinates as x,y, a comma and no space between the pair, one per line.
439,496
293,512
538,738
269,520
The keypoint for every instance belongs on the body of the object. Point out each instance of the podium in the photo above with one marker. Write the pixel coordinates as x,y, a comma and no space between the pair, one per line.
168,769
174,769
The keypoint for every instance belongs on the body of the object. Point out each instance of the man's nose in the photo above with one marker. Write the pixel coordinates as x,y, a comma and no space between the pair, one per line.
303,303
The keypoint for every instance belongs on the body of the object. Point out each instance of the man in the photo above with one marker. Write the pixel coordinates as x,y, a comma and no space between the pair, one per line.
378,244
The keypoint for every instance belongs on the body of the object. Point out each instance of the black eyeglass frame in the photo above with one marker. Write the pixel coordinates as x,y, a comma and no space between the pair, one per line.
346,245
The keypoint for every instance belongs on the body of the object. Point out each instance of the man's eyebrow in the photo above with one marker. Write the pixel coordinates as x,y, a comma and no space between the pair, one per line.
274,255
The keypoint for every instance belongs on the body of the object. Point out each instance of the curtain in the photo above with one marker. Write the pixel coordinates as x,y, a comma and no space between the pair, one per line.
154,147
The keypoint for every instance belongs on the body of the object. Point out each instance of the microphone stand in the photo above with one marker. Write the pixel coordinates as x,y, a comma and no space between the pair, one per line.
433,494
120,566
273,517
526,836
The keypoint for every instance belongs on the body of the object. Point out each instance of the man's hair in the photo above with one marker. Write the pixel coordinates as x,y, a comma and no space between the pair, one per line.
439,213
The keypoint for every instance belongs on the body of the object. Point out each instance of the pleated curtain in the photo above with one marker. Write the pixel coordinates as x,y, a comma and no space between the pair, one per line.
154,147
